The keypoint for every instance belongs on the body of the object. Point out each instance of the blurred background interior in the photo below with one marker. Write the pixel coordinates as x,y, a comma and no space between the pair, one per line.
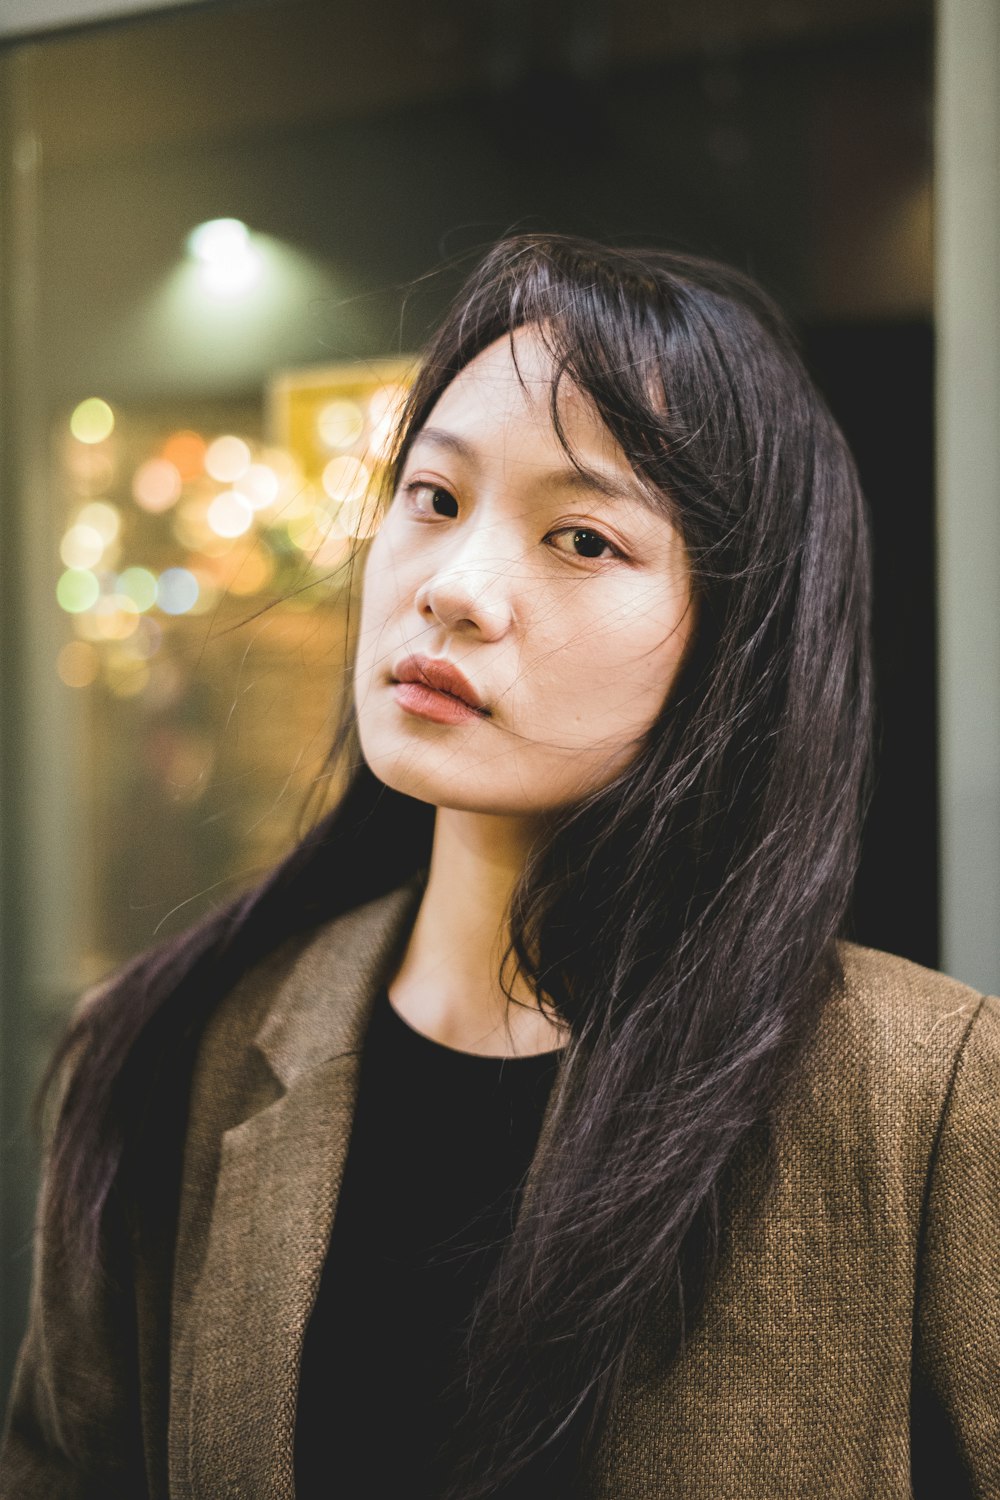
225,231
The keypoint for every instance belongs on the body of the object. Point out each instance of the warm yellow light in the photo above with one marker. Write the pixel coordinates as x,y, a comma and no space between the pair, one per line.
81,547
208,590
230,514
340,424
190,525
92,421
87,626
186,451
139,585
260,484
156,485
252,573
77,590
297,499
89,470
387,401
307,531
115,618
385,409
227,458
359,518
331,552
104,518
77,664
346,479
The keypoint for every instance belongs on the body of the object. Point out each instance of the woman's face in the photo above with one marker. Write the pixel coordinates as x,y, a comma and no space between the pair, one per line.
561,597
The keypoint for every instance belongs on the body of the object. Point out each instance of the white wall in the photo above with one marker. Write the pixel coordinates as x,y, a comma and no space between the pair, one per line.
967,135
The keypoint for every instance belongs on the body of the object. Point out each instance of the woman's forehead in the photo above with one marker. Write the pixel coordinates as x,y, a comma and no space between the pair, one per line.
507,391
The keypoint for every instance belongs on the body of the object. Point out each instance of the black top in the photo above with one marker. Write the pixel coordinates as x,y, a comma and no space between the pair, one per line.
439,1148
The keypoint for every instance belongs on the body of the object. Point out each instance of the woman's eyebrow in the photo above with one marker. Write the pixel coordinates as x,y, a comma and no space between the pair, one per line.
449,440
608,486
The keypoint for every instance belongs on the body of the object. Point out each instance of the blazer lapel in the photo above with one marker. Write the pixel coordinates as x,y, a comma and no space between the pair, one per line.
276,1193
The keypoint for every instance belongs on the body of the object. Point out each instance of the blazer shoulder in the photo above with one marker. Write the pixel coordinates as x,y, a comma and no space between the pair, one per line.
902,1000
895,1030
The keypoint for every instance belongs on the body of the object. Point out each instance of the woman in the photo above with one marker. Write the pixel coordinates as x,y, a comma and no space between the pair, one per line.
645,1184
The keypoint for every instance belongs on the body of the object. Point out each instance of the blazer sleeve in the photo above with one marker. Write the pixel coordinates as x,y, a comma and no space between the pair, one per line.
956,1390
73,1425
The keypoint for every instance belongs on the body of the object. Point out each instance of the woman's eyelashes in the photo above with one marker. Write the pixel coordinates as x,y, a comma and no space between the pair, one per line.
591,544
426,500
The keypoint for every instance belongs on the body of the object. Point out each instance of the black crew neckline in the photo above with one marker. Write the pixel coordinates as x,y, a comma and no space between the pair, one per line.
521,1060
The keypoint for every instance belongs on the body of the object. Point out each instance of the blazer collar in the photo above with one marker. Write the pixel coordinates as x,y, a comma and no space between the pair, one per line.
323,1008
254,1248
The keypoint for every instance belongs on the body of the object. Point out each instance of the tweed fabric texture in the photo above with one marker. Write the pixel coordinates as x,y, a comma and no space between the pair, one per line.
866,1281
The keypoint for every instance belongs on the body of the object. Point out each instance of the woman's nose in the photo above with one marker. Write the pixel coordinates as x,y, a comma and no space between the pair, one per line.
470,592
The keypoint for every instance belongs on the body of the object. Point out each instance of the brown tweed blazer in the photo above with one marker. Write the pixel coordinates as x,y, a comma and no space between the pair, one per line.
856,1311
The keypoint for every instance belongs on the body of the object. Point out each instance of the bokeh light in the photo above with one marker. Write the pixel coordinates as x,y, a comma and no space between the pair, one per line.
90,470
156,485
81,547
298,498
208,589
92,421
230,514
307,531
346,479
340,424
186,451
229,262
114,617
261,486
191,528
252,573
385,409
358,518
227,458
218,240
104,518
77,590
77,664
177,591
332,551
139,585
87,625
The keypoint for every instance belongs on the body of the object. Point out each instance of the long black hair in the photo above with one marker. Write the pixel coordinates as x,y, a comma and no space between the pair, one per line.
682,920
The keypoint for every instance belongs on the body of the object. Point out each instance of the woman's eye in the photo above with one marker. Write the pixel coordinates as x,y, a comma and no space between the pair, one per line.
428,498
586,543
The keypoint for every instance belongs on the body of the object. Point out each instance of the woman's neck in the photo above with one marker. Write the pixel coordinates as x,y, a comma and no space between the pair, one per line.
447,985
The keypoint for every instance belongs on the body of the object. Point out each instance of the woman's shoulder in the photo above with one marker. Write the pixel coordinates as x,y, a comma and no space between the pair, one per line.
897,1047
902,1011
898,1002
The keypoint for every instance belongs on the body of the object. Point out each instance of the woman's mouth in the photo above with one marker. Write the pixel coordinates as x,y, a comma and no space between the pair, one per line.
432,687
430,703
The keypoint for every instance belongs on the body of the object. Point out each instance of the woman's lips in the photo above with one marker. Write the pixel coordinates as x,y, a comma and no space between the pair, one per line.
427,703
432,687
